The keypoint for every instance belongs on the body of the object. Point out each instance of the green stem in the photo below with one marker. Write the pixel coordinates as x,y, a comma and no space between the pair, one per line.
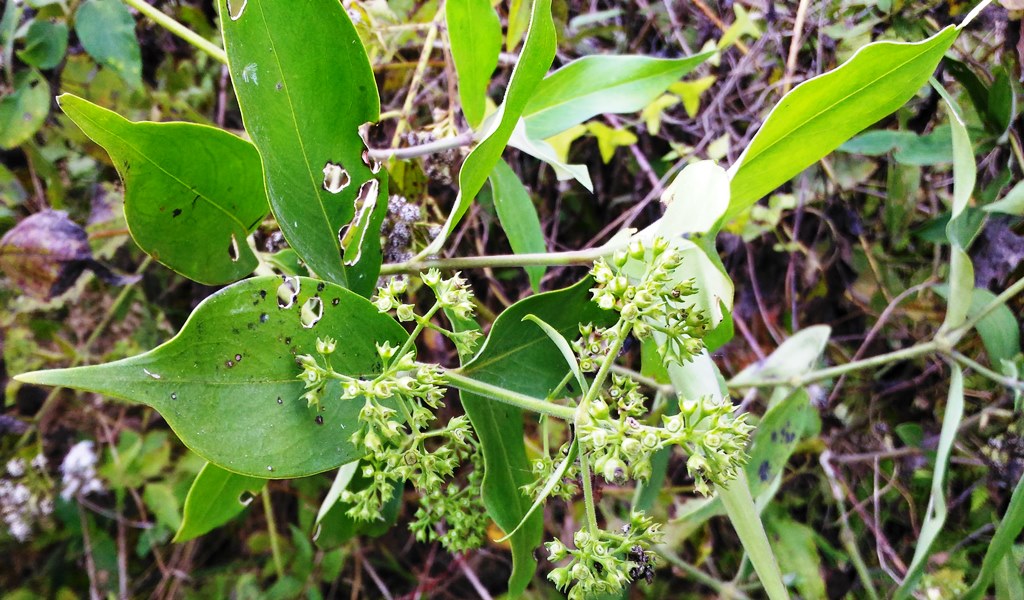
832,372
574,257
193,38
989,373
722,589
421,322
275,547
746,521
588,494
468,384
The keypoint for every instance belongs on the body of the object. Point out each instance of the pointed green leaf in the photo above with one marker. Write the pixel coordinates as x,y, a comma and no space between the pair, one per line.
563,346
107,32
538,52
193,193
305,86
228,384
794,357
1002,543
518,217
599,84
935,514
216,497
820,114
474,32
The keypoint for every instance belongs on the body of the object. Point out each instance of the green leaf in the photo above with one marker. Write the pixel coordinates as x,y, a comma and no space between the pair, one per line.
216,497
599,84
45,44
107,32
544,150
193,193
518,217
935,515
474,32
1002,543
743,516
1011,204
965,170
998,330
822,113
303,113
797,550
520,357
160,498
23,111
538,52
794,357
563,346
228,384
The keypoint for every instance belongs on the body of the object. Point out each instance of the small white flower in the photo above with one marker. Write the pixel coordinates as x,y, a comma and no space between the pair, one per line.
79,471
16,467
39,462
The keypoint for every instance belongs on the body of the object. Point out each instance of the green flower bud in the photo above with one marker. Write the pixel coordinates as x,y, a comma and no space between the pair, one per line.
326,345
631,447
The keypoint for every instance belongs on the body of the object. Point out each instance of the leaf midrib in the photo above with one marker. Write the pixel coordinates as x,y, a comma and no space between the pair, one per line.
291,111
157,165
828,108
551,107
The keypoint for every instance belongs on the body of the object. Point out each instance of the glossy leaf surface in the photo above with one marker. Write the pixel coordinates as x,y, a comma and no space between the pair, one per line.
538,52
820,114
518,217
521,357
598,84
474,32
227,383
303,112
216,497
192,193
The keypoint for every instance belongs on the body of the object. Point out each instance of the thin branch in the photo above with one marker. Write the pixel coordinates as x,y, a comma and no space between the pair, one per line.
193,38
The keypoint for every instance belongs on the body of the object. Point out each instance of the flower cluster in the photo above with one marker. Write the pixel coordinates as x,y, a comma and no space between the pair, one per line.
713,437
622,446
399,405
460,508
605,563
78,471
592,347
24,496
654,301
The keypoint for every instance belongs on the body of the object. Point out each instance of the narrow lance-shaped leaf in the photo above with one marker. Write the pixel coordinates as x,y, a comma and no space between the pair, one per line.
820,114
595,85
192,193
216,497
935,514
538,52
474,32
303,112
518,217
228,384
1002,543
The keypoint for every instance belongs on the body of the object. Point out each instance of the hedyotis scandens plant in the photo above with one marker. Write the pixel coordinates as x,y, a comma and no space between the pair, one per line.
615,432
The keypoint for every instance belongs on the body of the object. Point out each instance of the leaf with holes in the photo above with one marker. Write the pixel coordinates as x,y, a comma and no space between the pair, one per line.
192,193
228,384
216,497
303,113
